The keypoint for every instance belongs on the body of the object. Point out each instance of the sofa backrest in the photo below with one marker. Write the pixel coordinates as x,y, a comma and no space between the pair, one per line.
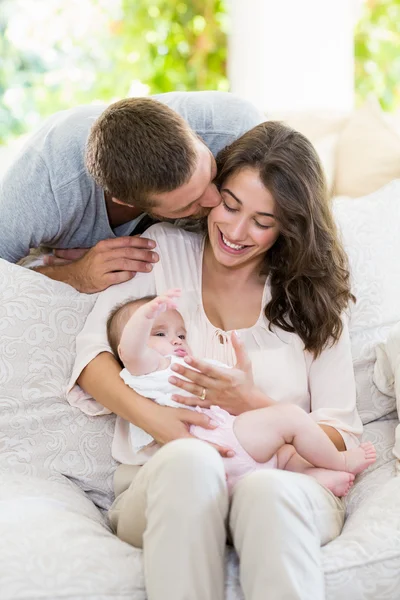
370,230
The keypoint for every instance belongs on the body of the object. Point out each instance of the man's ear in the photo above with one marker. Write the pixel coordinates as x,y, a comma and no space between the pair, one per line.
116,201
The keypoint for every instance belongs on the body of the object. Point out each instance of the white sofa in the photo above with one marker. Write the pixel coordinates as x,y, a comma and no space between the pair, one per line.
55,462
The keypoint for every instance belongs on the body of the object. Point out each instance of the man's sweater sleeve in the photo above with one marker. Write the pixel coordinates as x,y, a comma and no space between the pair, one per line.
29,215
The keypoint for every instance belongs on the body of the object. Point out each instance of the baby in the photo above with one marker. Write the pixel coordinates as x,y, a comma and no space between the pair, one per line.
149,335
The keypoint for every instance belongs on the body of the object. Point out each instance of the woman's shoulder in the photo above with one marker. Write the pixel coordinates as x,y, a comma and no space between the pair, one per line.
167,235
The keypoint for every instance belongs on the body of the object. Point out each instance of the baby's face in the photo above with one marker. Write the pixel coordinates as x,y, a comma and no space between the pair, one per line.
168,335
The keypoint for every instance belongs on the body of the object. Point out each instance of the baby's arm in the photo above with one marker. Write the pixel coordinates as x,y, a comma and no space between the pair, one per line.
133,348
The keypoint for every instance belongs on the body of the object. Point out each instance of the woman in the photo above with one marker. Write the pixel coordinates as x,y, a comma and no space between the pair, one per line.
270,267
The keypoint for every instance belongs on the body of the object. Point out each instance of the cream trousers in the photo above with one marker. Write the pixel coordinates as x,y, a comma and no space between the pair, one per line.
177,509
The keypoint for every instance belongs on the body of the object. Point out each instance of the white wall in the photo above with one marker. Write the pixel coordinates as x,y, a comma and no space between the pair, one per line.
293,54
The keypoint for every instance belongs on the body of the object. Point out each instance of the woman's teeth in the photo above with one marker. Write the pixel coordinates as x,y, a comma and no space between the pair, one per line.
230,245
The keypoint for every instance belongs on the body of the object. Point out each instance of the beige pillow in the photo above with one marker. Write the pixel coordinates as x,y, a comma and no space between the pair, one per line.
314,124
326,150
368,152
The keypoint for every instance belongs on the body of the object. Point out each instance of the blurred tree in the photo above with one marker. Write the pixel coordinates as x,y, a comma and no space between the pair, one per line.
16,71
377,53
177,45
56,54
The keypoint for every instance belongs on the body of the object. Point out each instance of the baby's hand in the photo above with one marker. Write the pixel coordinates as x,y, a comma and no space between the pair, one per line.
153,309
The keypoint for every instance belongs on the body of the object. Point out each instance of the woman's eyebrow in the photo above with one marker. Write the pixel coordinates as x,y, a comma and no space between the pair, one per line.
263,214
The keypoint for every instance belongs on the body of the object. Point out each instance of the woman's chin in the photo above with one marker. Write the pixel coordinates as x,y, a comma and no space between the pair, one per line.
229,260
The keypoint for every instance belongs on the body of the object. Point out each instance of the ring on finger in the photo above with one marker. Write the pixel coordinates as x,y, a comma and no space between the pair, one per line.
203,394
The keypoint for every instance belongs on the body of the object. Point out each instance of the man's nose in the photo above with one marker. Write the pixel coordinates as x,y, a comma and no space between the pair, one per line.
211,197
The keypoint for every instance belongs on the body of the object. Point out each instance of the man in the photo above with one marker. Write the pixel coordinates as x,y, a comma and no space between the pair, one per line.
84,181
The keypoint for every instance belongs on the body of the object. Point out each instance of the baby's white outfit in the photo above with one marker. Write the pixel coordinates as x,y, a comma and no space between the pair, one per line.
157,387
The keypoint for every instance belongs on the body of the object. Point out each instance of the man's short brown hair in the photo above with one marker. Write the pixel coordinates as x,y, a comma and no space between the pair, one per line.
138,147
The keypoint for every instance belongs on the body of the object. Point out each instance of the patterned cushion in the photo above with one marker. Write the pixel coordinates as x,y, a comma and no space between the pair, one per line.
40,434
369,228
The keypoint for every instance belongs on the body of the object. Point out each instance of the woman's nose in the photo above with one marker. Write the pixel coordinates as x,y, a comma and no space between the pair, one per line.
237,230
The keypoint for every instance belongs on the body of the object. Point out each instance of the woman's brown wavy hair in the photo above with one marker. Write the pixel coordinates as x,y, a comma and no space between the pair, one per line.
308,269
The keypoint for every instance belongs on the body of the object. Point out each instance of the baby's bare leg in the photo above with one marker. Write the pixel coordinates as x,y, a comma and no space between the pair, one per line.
338,482
264,431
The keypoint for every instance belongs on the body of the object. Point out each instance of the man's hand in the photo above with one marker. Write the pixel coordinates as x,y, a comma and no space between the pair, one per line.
109,262
64,257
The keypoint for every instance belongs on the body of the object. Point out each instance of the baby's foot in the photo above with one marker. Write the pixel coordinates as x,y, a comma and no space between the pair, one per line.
338,482
358,459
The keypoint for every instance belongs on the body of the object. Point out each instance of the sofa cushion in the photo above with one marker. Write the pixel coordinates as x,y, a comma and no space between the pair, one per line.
368,152
369,228
40,433
56,545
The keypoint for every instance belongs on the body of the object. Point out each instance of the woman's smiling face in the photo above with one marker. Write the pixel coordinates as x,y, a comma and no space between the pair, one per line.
243,227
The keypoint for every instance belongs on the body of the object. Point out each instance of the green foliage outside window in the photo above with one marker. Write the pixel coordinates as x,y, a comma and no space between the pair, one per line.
101,50
377,53
173,45
56,54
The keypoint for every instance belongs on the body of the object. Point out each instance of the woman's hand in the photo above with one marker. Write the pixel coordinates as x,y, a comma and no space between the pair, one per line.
165,424
231,389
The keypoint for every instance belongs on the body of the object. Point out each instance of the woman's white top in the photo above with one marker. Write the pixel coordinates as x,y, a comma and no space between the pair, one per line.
282,369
